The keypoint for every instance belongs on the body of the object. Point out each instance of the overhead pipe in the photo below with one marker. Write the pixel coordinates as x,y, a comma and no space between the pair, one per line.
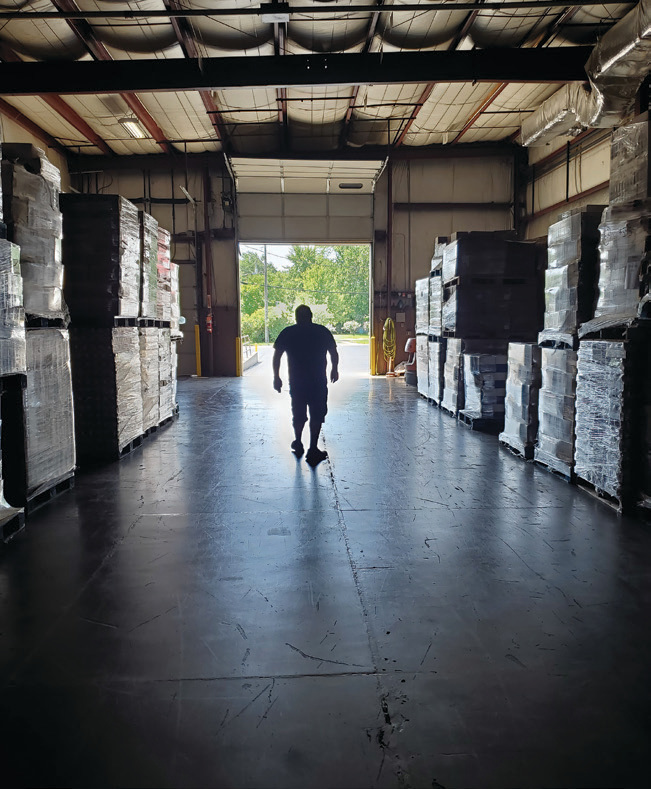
617,67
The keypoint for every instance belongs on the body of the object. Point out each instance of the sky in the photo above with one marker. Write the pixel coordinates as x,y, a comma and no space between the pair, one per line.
276,253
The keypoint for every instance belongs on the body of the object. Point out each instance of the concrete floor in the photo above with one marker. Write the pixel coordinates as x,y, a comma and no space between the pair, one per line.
422,610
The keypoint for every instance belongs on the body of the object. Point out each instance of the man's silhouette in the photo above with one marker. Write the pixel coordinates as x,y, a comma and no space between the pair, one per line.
306,345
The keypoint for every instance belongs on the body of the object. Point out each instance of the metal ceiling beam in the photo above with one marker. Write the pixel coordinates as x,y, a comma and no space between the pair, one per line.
561,64
96,48
484,105
324,10
189,46
281,93
22,120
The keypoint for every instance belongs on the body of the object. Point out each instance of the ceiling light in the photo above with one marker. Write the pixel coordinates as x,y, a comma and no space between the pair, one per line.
133,128
274,12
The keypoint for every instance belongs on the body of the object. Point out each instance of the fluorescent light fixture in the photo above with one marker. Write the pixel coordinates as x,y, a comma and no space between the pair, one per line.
133,128
274,12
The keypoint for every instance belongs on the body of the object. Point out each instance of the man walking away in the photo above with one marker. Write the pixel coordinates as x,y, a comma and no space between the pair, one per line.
306,345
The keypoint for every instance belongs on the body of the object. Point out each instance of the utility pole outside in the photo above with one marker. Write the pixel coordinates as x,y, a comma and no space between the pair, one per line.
266,299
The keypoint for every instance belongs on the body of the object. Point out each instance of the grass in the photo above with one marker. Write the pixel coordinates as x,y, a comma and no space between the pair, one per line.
356,339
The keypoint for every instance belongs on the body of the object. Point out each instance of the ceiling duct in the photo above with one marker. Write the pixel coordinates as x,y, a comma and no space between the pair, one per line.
616,69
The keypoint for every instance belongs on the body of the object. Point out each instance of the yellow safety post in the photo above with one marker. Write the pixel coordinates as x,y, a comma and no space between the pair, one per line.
197,349
238,356
373,357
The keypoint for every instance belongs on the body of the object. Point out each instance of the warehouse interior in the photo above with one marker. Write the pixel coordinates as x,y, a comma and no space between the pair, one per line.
458,595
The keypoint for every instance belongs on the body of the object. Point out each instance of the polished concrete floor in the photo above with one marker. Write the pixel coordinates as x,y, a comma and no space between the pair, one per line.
421,610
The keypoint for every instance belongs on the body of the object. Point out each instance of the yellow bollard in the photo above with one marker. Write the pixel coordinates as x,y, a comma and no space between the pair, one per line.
197,349
373,359
238,356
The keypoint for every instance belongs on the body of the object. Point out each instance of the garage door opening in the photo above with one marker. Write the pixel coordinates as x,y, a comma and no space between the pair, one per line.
332,280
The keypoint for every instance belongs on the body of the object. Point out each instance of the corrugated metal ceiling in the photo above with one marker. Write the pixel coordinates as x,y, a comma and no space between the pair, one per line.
289,120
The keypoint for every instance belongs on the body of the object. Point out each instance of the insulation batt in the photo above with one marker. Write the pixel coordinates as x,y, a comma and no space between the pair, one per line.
422,305
12,314
556,409
49,420
522,389
422,364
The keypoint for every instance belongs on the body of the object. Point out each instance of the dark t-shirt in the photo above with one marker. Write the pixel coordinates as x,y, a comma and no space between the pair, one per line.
306,345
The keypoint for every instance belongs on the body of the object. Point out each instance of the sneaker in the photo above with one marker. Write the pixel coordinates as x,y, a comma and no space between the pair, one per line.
297,448
315,456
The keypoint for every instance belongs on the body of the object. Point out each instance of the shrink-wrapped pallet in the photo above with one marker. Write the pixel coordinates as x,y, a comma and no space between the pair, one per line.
107,387
175,308
453,376
556,410
101,256
437,256
630,162
12,314
625,270
521,402
436,350
422,364
483,254
484,380
611,404
34,223
149,265
149,376
572,273
166,383
435,304
422,305
48,409
174,373
164,289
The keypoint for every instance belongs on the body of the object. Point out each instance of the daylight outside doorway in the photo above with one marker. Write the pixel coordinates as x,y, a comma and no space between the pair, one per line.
333,280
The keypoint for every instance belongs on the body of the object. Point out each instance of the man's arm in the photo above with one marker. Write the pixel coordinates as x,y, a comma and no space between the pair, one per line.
334,362
278,384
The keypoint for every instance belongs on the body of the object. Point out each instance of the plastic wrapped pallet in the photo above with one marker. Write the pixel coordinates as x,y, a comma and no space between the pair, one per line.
164,290
34,223
630,162
422,305
107,387
453,376
149,265
149,374
482,254
436,366
48,408
437,257
435,304
484,380
521,403
556,410
12,315
175,308
166,385
174,372
572,273
625,251
101,256
422,364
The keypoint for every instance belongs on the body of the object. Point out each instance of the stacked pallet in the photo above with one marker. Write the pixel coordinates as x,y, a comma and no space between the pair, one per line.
522,392
570,299
491,295
436,343
422,332
613,421
169,312
42,447
101,255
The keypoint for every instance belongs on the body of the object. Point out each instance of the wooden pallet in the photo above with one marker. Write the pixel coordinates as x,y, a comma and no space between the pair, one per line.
491,426
129,448
12,525
564,342
120,320
150,430
449,411
621,506
524,452
34,502
566,475
36,322
148,323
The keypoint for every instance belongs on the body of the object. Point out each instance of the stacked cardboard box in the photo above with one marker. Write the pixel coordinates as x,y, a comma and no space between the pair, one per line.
149,338
556,410
422,364
436,352
12,312
148,229
521,404
484,377
490,287
453,392
175,309
31,186
167,374
422,331
164,290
